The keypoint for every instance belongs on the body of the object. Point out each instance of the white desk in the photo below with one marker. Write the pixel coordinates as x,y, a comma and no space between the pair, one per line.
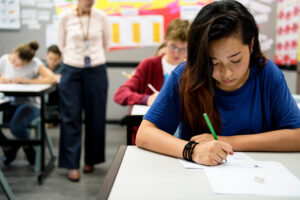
39,90
25,88
146,175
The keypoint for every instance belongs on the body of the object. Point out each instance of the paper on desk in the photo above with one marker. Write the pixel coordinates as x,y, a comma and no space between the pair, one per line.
139,109
272,178
237,160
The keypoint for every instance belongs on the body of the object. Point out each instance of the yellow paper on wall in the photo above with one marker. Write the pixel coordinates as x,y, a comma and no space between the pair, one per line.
156,32
116,33
136,33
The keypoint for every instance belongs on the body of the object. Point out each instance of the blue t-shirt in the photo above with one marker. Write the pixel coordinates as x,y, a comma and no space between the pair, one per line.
264,103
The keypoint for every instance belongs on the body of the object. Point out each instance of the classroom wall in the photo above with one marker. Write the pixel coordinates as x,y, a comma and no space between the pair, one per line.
12,38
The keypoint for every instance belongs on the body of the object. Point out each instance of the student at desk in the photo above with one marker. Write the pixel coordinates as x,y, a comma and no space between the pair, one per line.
53,62
228,77
155,70
22,67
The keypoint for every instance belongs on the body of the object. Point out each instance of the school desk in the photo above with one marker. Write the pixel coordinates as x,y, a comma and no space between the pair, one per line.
134,118
140,174
37,90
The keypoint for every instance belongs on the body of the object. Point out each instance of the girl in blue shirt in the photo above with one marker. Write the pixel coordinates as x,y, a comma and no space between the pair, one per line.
226,76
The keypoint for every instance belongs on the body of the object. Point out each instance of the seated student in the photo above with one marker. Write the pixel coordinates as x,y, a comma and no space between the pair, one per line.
22,67
53,62
155,70
228,77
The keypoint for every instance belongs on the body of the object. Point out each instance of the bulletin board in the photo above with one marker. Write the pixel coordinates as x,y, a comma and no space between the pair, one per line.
10,14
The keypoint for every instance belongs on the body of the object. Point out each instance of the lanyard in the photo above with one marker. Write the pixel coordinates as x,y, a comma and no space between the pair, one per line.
85,36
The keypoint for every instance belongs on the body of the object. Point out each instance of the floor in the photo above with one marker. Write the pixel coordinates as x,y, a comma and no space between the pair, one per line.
23,182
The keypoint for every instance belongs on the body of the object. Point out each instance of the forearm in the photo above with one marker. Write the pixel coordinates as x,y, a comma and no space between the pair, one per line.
41,80
280,140
151,138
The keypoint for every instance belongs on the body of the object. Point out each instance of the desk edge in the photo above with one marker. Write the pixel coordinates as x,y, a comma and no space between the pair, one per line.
111,174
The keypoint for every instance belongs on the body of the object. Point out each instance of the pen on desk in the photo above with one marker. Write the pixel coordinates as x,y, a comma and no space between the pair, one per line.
152,88
211,128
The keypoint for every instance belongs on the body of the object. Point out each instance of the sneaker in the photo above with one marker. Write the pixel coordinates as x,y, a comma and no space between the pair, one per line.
30,154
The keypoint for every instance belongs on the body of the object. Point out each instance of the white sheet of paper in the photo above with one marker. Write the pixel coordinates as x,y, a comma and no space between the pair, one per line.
237,160
272,179
139,109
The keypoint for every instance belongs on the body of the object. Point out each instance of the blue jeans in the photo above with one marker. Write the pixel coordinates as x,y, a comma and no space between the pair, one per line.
19,117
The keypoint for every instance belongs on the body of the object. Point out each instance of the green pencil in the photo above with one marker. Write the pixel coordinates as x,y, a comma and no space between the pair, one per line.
210,126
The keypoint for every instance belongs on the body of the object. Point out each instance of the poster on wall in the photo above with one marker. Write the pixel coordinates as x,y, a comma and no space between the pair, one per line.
140,23
287,41
10,14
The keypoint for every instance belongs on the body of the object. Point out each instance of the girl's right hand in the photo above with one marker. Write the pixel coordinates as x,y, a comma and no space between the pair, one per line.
211,153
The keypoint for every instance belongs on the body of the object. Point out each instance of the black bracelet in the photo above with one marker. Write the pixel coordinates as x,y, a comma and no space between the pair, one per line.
188,150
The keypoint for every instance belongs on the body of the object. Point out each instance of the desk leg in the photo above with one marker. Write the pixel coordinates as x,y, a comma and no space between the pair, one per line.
45,170
129,132
6,187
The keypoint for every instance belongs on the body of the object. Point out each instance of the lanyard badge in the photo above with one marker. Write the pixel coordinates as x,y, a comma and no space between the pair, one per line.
86,58
87,61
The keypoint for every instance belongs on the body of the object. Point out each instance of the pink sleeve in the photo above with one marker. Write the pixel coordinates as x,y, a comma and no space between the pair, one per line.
106,32
61,34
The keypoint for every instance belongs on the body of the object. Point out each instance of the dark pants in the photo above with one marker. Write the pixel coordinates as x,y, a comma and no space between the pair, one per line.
82,89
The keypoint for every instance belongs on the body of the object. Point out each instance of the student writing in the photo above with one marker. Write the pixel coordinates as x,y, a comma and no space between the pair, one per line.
21,66
228,77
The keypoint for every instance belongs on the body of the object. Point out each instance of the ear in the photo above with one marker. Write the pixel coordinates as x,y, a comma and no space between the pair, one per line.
251,45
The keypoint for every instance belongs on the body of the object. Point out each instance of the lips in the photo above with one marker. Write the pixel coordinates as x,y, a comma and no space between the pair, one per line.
227,81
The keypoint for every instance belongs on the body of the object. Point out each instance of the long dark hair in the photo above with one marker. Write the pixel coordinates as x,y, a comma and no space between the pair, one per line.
217,20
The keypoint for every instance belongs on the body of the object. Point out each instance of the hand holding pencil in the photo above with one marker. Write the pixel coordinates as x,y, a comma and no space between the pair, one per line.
210,151
152,97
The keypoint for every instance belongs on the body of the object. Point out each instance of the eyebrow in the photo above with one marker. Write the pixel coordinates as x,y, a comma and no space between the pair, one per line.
230,55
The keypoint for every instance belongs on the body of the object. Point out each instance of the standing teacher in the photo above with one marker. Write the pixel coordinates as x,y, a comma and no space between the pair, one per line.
83,37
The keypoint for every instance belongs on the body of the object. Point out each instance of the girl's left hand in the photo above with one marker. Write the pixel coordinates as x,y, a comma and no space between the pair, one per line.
202,138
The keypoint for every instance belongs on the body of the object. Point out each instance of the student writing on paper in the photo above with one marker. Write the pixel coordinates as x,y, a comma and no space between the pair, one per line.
226,76
155,70
21,66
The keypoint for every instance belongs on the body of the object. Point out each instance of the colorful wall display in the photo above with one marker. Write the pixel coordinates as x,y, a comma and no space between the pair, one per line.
288,33
135,23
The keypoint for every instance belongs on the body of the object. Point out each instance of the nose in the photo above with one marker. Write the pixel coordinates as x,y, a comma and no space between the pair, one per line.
226,72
